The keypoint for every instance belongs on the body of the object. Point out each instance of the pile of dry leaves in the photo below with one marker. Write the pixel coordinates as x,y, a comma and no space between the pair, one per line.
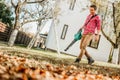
17,68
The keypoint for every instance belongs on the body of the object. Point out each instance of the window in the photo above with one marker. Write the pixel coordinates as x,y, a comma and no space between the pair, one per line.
64,31
72,4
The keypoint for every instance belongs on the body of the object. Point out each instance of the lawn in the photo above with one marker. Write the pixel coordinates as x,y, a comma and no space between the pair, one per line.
48,63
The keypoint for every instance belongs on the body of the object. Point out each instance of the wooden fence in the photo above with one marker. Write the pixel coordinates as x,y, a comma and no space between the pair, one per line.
4,36
22,38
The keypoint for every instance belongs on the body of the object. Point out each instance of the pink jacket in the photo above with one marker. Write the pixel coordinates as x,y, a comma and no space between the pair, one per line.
95,23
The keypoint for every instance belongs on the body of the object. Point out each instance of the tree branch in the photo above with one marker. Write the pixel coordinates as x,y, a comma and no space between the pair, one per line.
42,17
28,22
13,4
114,18
107,37
24,2
117,20
36,2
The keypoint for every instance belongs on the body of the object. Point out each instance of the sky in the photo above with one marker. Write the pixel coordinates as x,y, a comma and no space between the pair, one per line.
32,27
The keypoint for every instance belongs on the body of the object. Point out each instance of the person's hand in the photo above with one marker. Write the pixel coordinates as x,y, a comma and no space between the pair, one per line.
96,37
81,29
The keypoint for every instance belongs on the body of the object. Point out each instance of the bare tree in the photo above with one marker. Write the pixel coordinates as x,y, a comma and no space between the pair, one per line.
18,5
110,22
17,8
44,14
115,16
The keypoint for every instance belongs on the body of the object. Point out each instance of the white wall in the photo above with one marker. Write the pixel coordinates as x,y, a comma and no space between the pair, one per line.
75,20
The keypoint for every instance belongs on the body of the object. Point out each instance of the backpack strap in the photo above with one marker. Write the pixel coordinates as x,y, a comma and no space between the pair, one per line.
91,18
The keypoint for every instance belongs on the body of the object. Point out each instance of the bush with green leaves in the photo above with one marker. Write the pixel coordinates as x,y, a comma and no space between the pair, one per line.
6,14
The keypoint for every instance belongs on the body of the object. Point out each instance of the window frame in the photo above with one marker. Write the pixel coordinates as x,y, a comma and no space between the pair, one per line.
64,31
72,5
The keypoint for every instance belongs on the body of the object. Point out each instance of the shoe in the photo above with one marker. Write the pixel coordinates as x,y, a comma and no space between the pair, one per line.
77,60
90,61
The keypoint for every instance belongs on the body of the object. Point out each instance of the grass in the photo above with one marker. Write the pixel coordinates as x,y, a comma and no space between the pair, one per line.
58,60
49,56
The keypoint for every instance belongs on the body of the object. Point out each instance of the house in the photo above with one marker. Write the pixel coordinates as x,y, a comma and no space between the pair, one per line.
72,16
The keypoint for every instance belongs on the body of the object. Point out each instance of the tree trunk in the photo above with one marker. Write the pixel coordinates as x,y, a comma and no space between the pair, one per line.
57,38
55,13
40,27
111,55
13,34
16,25
30,45
12,37
119,55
